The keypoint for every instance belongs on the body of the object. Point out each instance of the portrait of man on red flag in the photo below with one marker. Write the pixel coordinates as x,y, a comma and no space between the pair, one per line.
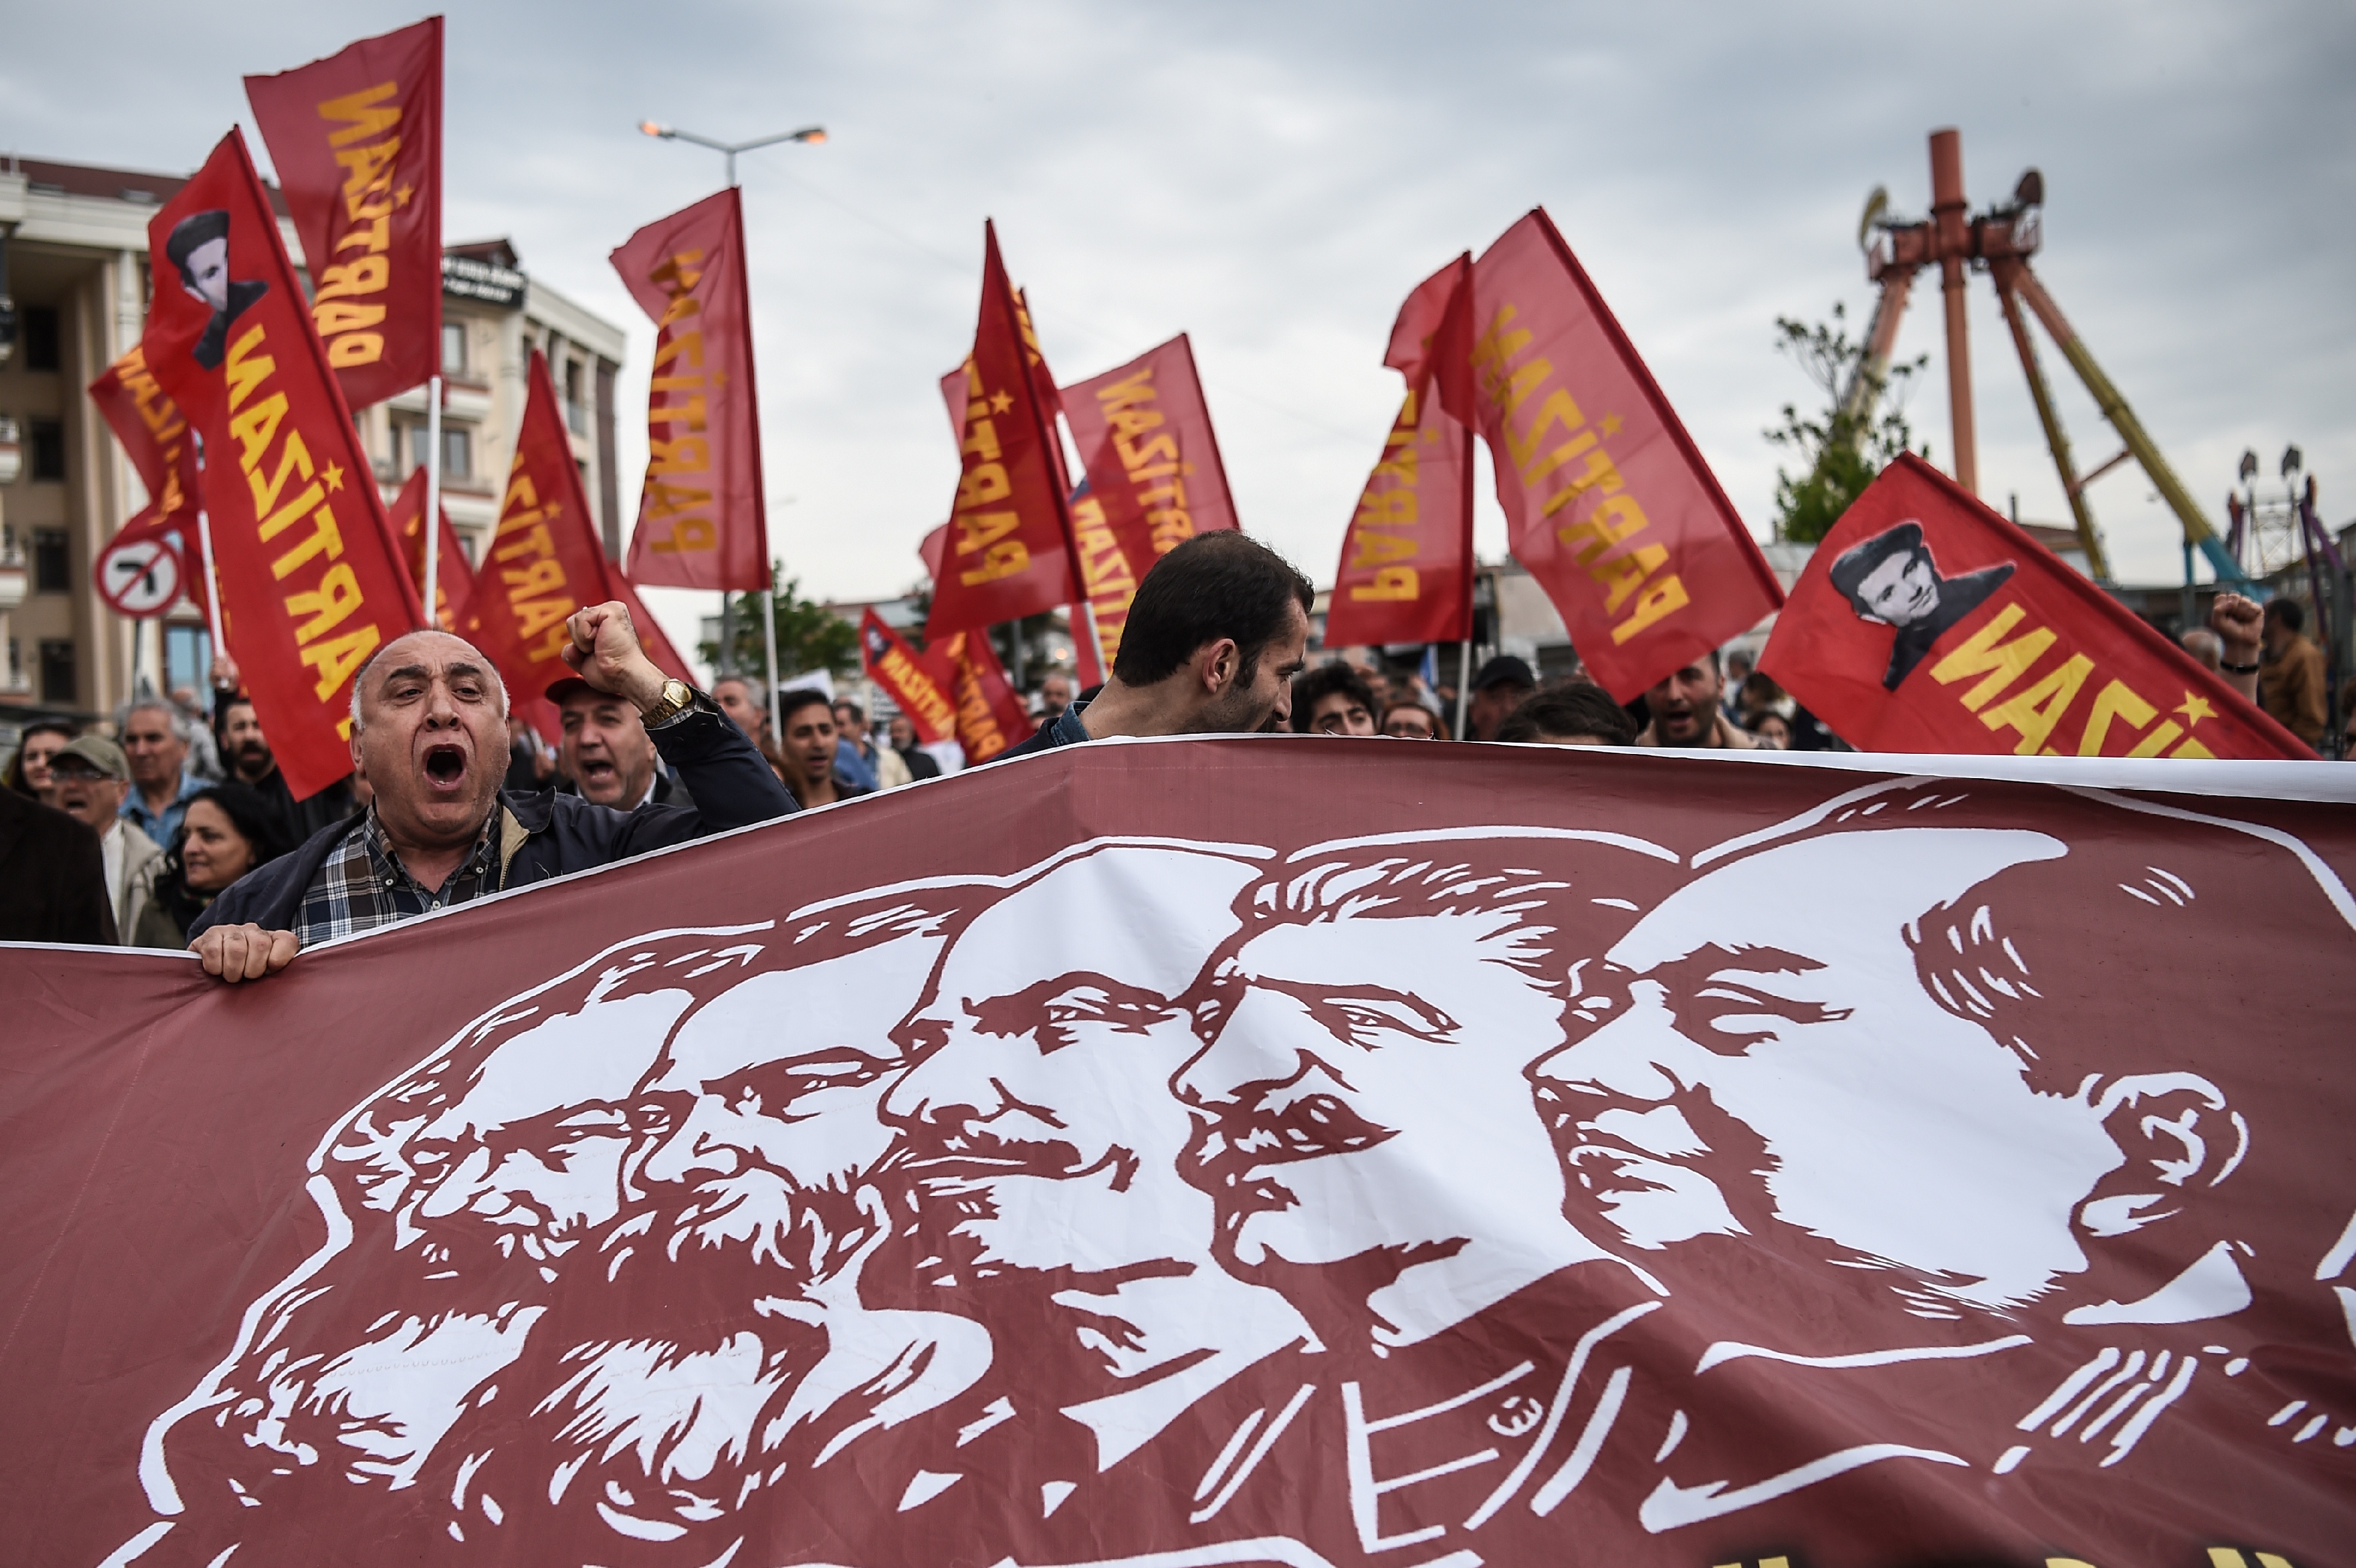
198,247
1892,579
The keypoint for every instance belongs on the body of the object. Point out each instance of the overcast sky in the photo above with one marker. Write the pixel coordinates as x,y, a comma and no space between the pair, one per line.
1273,180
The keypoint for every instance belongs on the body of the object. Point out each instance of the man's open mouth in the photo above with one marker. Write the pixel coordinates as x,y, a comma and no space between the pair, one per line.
595,771
446,768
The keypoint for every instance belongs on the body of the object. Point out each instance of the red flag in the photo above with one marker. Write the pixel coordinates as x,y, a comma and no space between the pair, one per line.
1009,527
544,563
311,578
931,549
1607,499
700,518
1406,574
909,678
154,435
357,138
1925,622
454,575
989,716
1144,432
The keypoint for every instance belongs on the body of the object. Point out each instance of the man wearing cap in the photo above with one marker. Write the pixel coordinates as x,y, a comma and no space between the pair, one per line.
429,740
198,246
92,779
1892,580
607,751
1497,691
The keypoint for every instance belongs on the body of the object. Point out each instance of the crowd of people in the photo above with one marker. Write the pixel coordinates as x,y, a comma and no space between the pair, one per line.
173,833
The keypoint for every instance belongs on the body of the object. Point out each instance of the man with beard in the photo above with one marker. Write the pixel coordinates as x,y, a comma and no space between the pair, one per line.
247,751
600,1271
1371,1140
1996,1228
1049,1207
198,247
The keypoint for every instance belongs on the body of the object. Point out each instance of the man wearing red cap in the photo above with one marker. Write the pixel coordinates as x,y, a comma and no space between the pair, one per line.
429,736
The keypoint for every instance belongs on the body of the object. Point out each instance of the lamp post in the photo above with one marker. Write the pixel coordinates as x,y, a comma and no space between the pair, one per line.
809,135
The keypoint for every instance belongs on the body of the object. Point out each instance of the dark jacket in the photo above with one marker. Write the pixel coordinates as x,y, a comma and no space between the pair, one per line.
921,763
1064,729
549,834
53,877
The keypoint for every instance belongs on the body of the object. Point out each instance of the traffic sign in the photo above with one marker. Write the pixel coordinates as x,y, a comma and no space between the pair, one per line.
139,575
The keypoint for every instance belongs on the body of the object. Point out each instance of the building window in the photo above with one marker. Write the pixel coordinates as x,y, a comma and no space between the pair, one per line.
47,440
43,350
457,453
58,684
576,408
52,561
188,658
454,348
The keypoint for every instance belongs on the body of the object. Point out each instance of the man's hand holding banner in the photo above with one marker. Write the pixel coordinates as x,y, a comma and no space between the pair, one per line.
1925,622
311,578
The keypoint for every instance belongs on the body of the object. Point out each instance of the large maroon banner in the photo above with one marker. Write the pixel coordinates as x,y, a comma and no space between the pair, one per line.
1514,1156
357,139
1927,622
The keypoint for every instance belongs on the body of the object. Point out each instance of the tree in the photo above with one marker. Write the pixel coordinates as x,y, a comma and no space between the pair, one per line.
810,636
1843,448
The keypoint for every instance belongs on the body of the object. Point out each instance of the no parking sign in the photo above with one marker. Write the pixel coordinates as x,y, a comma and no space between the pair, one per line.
139,573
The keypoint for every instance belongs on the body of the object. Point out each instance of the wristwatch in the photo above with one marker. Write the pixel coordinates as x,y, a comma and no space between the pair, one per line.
678,696
2232,669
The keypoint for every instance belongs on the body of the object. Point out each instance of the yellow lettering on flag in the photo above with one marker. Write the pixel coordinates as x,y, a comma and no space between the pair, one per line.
337,596
1987,652
2036,709
361,117
338,659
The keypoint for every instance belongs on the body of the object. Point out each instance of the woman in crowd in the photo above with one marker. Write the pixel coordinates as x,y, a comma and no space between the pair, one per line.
228,830
1773,730
29,770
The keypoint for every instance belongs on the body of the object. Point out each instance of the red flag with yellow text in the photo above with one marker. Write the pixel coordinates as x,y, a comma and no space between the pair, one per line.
1154,476
357,139
454,575
989,716
1925,622
702,522
310,576
913,680
544,561
1607,499
155,438
1009,529
1406,573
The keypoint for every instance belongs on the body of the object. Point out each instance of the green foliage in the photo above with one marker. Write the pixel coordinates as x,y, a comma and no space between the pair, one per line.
1843,448
810,636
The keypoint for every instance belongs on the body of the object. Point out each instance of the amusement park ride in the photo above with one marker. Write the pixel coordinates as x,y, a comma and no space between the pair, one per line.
2000,241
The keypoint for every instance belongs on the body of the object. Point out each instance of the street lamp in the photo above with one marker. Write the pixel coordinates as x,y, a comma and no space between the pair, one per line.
809,135
806,134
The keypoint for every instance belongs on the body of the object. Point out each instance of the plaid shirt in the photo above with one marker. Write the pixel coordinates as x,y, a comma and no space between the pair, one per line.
362,884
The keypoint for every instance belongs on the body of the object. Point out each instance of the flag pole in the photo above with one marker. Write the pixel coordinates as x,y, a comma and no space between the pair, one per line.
1095,643
212,583
431,522
769,637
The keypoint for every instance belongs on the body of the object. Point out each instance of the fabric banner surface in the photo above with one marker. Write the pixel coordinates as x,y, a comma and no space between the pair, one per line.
1008,553
310,576
702,522
1144,433
1925,621
357,141
915,685
1607,499
1589,1158
454,575
156,440
990,714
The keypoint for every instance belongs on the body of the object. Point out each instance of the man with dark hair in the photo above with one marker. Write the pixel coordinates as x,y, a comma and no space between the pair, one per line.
812,749
1410,721
430,739
1332,698
858,742
1685,705
2290,676
1215,634
1497,691
198,246
1892,580
1580,715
